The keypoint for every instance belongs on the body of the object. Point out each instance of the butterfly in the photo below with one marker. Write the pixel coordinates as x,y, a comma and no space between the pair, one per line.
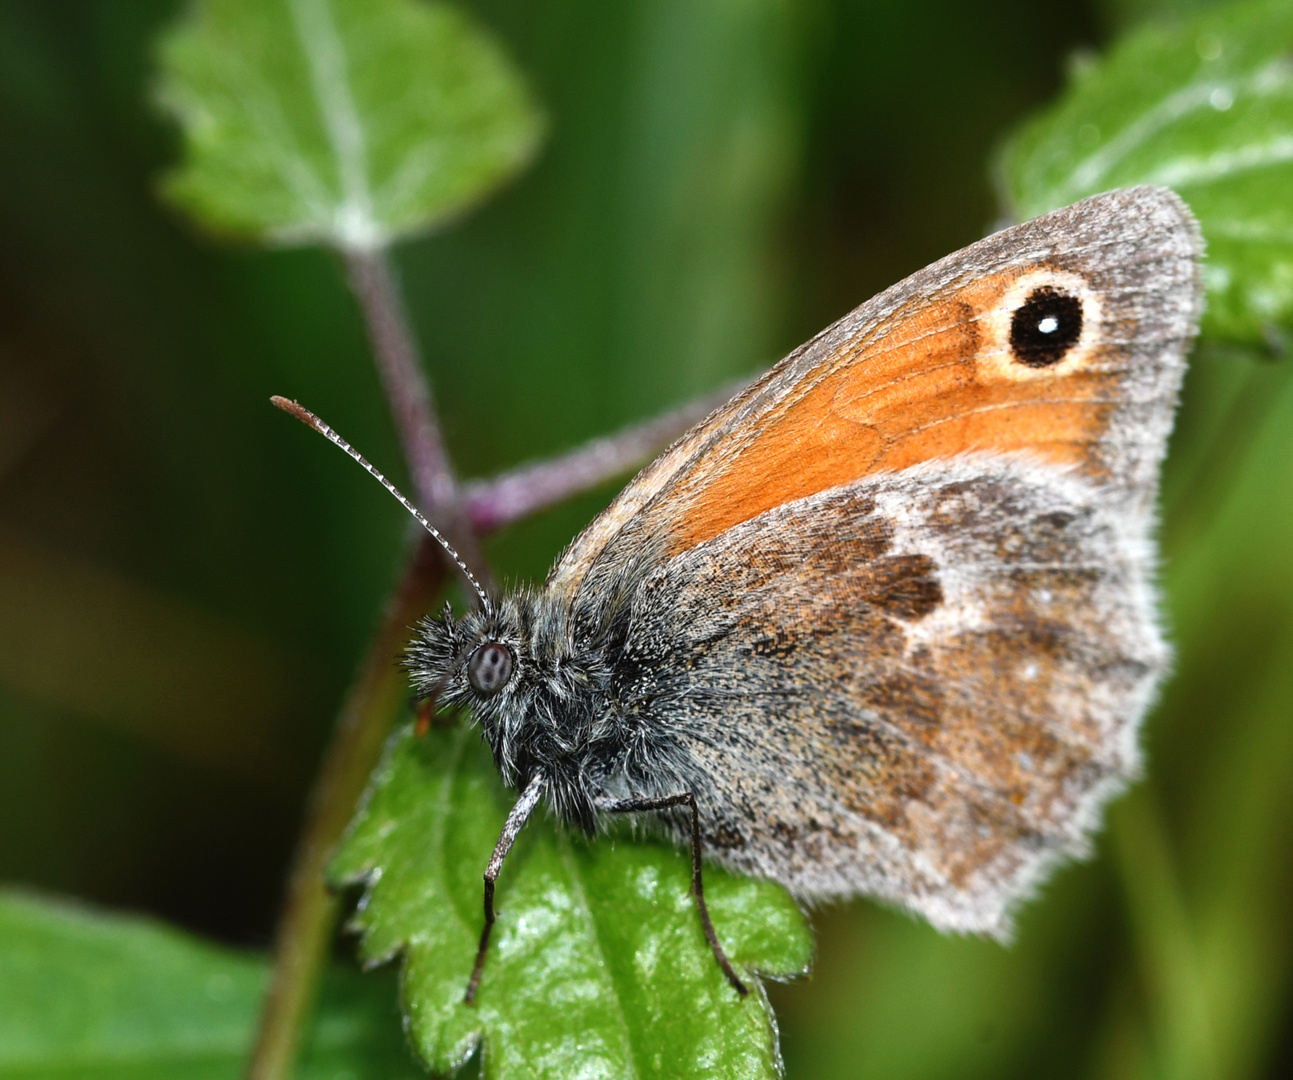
884,623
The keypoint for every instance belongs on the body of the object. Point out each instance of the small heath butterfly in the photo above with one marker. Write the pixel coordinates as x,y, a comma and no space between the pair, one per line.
884,623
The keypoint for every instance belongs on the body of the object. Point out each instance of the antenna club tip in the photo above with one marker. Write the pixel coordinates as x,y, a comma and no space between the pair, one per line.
299,411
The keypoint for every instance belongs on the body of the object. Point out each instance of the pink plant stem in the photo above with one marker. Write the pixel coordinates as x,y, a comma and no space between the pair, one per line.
407,389
523,491
412,404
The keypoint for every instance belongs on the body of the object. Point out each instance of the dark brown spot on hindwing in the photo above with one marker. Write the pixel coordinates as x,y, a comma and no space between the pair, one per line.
905,586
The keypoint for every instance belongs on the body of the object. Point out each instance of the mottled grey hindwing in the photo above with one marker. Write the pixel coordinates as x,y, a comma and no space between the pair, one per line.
922,686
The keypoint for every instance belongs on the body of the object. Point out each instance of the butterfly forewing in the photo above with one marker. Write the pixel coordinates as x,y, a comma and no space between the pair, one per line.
926,370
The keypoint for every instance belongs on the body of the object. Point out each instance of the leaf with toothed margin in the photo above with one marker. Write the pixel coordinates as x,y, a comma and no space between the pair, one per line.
598,966
342,122
1204,106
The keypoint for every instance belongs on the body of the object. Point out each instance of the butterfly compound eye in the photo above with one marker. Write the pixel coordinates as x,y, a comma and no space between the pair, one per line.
1045,327
490,667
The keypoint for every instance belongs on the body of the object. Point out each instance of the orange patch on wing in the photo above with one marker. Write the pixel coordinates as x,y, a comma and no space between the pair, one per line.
930,384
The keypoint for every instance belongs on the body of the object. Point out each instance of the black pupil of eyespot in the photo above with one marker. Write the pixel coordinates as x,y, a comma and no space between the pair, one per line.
1046,327
489,668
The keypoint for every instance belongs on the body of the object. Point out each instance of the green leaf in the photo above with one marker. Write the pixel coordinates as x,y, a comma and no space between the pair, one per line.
342,122
598,967
89,996
1204,107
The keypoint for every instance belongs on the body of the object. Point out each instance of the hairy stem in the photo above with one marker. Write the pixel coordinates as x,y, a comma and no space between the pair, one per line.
409,395
407,389
523,491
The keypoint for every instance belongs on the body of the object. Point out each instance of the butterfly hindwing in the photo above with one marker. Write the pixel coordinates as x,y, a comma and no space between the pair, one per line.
921,686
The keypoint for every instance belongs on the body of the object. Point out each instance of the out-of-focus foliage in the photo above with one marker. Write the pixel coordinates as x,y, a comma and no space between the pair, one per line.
87,996
342,122
1204,106
598,964
722,180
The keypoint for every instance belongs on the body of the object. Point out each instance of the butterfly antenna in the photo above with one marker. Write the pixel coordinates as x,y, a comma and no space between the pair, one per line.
310,420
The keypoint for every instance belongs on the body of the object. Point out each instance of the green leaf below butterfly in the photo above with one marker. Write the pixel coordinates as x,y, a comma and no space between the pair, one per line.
341,122
1204,106
598,966
86,995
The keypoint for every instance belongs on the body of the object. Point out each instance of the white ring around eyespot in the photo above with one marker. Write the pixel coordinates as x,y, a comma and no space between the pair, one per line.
996,359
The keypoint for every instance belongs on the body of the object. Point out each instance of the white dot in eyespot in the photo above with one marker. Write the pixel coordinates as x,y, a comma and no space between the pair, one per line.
1048,325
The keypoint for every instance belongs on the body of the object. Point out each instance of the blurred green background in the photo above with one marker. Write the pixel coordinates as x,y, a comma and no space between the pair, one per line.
186,581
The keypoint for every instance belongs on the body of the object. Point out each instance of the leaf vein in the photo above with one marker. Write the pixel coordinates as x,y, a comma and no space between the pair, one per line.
354,220
577,887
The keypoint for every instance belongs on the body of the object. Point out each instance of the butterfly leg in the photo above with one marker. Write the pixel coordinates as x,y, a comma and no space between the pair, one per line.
511,829
688,799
